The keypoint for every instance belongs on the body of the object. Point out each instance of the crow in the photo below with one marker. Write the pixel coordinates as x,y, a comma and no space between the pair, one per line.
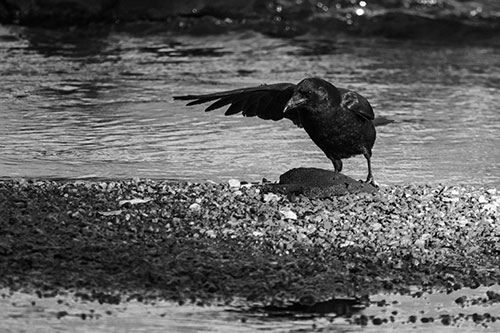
339,121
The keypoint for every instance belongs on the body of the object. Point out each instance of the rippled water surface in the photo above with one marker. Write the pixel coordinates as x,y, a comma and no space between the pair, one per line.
99,104
22,312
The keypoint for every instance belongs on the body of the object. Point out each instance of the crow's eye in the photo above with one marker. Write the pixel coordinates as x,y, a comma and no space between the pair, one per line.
308,93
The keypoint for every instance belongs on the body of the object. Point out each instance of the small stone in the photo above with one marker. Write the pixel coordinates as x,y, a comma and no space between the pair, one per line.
234,183
347,243
406,241
111,213
210,233
195,207
420,243
270,197
134,201
288,214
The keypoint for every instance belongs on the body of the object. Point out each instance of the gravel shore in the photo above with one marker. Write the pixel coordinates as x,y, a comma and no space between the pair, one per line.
207,243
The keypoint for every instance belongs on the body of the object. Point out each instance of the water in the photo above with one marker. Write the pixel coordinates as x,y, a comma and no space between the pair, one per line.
23,312
83,103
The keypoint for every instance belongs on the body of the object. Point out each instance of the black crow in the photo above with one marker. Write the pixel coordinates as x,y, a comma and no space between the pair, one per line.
339,121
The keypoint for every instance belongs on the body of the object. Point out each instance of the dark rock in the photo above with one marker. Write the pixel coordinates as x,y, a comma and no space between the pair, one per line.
318,183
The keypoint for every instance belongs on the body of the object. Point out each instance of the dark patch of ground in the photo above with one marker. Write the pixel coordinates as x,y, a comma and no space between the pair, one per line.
212,242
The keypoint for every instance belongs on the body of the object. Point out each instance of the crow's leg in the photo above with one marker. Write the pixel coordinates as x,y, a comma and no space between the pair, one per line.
337,164
369,178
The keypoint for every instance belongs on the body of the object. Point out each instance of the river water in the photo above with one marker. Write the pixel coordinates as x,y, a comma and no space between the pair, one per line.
22,312
82,103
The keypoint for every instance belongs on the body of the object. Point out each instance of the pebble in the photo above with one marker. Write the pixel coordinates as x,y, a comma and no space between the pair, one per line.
234,183
420,243
270,197
195,207
415,227
288,214
134,201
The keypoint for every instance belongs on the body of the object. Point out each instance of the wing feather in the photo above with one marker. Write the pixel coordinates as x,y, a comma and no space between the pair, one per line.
202,100
356,103
266,101
220,103
235,107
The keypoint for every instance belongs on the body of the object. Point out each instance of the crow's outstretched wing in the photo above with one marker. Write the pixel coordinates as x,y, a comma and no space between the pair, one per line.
265,101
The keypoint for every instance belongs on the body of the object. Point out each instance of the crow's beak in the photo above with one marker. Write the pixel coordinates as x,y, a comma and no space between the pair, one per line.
294,102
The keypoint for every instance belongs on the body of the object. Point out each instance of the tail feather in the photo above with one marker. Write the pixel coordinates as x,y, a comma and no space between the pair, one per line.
381,121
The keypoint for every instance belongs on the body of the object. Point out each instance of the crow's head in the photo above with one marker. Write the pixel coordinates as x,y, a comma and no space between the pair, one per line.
313,94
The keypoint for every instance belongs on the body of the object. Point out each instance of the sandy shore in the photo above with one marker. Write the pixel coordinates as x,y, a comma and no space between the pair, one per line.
212,243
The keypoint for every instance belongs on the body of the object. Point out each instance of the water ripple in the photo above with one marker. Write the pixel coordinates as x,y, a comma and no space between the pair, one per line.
102,106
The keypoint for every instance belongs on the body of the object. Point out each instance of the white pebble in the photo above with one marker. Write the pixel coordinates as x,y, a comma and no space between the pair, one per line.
195,207
270,197
234,183
420,243
482,199
347,243
288,214
210,233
